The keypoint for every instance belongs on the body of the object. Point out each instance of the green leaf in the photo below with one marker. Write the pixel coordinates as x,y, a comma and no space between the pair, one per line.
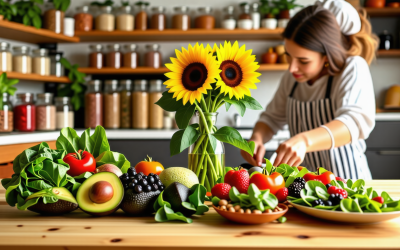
233,137
251,103
100,142
37,21
168,103
171,215
26,20
349,205
68,140
213,142
234,194
240,107
188,205
182,139
183,116
227,106
321,193
197,198
86,142
215,201
118,159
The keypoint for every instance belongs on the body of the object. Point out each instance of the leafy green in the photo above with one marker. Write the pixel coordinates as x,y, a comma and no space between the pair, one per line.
183,115
28,13
61,4
102,4
254,199
115,158
233,137
7,10
168,103
183,138
6,85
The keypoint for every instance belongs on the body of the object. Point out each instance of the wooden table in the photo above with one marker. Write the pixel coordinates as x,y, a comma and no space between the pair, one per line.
78,231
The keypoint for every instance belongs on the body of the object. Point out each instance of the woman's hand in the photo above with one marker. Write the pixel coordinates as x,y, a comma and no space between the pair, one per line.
258,156
292,151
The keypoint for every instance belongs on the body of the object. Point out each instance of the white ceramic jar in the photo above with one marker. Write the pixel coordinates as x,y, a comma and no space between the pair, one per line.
69,26
269,23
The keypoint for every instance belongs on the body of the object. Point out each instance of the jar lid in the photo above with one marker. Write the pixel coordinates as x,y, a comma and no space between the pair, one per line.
114,47
44,96
156,85
111,82
255,6
24,94
183,9
28,97
94,82
160,9
140,85
5,95
4,45
107,9
84,9
63,99
131,47
154,47
127,8
207,9
40,52
245,7
230,9
96,47
21,49
126,82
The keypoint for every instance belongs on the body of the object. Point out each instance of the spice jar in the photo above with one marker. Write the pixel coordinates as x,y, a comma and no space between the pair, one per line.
96,57
40,62
25,113
6,114
56,68
255,16
112,112
106,20
125,19
140,105
181,20
386,41
158,19
93,104
229,21
205,20
83,19
131,57
245,21
141,18
45,112
126,103
153,56
64,113
5,57
156,113
54,20
114,56
22,61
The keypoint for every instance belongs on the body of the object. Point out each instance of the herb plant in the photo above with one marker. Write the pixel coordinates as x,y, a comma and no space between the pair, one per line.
286,4
6,86
102,4
140,3
61,5
125,3
269,8
29,13
7,10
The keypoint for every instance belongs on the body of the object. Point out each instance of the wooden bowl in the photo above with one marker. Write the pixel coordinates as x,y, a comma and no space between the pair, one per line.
252,219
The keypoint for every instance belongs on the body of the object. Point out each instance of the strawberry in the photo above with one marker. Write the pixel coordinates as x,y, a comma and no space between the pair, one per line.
379,199
228,176
282,194
221,190
337,191
239,179
341,179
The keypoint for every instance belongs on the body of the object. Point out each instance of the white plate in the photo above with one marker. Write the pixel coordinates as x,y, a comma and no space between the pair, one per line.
340,216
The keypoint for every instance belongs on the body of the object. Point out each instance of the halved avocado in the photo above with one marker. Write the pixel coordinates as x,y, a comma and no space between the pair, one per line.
66,202
107,207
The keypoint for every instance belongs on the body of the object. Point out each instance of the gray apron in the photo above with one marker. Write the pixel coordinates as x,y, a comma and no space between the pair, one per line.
347,161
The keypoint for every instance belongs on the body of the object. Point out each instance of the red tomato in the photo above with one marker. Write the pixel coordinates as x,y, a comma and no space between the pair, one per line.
273,182
149,166
79,164
325,178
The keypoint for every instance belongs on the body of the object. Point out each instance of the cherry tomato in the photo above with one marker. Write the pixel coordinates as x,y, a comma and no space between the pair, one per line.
379,199
273,182
149,166
325,178
80,163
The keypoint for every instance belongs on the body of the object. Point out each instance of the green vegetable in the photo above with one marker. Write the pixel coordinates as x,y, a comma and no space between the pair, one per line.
6,85
7,10
255,199
282,219
61,5
102,4
28,13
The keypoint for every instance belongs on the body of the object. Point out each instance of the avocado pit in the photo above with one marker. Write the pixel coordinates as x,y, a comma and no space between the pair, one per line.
101,192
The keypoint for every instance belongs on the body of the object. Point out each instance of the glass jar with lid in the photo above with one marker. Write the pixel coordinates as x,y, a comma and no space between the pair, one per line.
229,21
64,113
140,105
181,19
153,56
22,60
158,19
126,103
125,19
83,19
245,21
131,57
156,113
141,17
105,21
56,68
112,101
205,20
25,113
53,19
96,56
6,114
114,56
45,112
5,57
41,62
255,16
93,104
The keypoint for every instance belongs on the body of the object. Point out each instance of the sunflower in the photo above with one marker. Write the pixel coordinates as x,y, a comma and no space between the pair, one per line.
193,71
238,70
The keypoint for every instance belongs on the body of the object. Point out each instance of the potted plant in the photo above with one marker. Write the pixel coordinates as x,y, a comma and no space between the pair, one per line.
6,111
269,11
54,18
7,10
285,6
28,13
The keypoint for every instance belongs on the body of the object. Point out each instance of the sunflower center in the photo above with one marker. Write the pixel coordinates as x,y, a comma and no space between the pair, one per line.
231,73
194,76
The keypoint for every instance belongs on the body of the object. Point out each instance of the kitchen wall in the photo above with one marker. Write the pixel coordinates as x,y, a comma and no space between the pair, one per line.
384,71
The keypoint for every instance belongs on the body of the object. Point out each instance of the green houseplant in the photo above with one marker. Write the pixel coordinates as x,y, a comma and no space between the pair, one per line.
6,113
269,9
29,13
7,10
285,6
54,18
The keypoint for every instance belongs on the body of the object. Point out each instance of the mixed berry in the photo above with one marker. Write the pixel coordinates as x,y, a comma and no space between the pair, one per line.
140,182
295,188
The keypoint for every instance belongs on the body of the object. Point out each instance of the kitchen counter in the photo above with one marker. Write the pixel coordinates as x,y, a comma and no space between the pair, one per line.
77,231
389,117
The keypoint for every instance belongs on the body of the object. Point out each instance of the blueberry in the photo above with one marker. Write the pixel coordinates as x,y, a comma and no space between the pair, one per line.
135,181
150,179
143,182
161,188
328,203
131,185
138,189
131,171
141,173
125,175
159,183
139,177
147,188
154,187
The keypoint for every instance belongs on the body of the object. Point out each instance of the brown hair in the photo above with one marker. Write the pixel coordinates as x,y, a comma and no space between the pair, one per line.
316,28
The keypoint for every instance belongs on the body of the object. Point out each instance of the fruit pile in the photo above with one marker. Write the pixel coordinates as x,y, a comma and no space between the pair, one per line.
140,182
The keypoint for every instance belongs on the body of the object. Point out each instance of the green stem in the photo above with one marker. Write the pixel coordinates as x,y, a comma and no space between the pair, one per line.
212,167
215,102
202,118
204,104
198,143
209,100
219,104
203,175
207,185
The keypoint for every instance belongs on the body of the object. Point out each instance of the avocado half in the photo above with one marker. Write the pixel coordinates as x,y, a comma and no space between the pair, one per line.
139,204
66,203
100,209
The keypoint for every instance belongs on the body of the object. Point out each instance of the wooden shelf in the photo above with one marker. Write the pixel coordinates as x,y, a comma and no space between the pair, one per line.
179,35
29,34
388,53
36,77
383,12
147,70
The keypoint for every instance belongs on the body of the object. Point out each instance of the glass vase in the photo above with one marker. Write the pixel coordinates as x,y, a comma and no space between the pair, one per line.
207,154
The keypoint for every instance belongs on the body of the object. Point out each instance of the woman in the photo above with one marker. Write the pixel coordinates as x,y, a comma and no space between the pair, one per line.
326,97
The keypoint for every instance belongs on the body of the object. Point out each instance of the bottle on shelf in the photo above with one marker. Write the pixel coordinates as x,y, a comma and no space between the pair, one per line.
386,40
22,60
54,20
5,57
156,113
6,114
106,20
245,21
25,113
255,16
125,19
45,112
181,19
131,56
69,26
126,103
56,68
96,57
158,20
93,104
114,56
112,111
140,105
64,113
205,20
83,19
153,57
229,21
141,18
41,62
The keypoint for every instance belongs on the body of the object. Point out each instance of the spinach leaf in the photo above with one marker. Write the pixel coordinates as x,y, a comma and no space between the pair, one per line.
86,142
68,140
321,193
100,142
109,157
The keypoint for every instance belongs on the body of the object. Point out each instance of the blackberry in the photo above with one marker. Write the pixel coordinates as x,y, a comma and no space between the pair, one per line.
154,187
132,171
126,186
138,189
159,183
135,181
301,181
161,188
131,185
328,186
150,179
143,182
319,202
156,177
147,188
328,203
295,188
335,199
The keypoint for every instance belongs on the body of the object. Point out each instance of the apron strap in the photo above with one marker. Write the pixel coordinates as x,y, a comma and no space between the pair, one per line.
293,89
329,87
